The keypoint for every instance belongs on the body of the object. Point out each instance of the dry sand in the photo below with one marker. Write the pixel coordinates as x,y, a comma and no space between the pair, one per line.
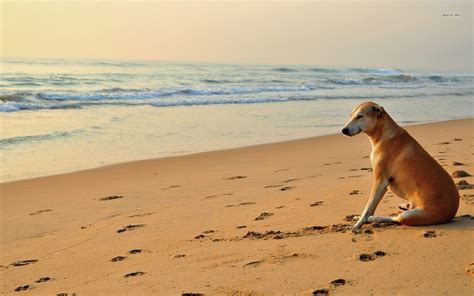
238,222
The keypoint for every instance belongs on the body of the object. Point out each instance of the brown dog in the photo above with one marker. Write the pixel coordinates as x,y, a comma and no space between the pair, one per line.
402,165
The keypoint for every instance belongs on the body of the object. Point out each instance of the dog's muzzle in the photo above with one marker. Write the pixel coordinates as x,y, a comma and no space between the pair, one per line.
345,131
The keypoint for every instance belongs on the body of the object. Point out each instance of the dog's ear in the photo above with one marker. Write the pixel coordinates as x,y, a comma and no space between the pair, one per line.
377,110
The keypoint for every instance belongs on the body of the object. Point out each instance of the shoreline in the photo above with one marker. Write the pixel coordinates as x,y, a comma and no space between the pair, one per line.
208,151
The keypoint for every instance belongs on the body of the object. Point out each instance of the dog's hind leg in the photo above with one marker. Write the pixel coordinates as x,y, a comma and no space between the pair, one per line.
415,217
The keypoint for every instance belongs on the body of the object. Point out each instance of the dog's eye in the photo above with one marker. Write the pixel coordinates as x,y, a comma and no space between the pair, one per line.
359,117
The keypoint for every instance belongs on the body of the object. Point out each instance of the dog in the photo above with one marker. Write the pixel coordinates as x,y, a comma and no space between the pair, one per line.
400,164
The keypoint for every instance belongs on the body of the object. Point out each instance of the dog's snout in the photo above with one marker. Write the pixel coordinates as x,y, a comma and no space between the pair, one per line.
345,131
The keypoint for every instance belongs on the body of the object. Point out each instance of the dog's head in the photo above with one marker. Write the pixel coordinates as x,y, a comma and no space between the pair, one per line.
363,119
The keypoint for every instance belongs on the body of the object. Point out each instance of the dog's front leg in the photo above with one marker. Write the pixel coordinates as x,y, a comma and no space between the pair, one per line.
378,190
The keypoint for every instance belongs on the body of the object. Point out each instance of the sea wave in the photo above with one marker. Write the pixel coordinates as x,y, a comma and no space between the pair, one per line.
76,84
324,70
20,106
12,106
118,93
212,81
441,79
221,101
285,70
401,78
376,71
11,98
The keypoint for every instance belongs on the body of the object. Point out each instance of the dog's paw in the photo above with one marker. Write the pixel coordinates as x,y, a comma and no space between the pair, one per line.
357,229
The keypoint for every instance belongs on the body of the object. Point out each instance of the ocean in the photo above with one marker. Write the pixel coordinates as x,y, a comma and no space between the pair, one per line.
59,116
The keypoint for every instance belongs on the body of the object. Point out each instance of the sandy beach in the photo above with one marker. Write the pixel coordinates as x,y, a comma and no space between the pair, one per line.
267,219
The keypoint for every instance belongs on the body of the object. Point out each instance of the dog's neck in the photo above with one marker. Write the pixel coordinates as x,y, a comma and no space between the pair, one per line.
384,130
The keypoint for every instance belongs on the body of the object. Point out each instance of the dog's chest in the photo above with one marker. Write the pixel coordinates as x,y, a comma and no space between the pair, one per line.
390,165
373,158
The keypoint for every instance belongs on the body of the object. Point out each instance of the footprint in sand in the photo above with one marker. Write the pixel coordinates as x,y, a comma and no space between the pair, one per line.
457,163
263,216
130,227
460,174
331,163
235,177
272,259
179,256
286,188
354,192
470,269
468,198
203,234
112,197
191,294
273,186
24,262
311,230
404,206
463,184
246,203
118,258
366,257
217,195
316,204
40,211
333,284
253,264
321,292
23,288
444,143
241,226
370,257
141,215
362,234
132,274
348,177
290,180
170,187
430,234
135,251
44,279
352,218
338,282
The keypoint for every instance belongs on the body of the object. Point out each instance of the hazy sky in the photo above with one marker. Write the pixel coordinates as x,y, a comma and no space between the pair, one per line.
399,34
